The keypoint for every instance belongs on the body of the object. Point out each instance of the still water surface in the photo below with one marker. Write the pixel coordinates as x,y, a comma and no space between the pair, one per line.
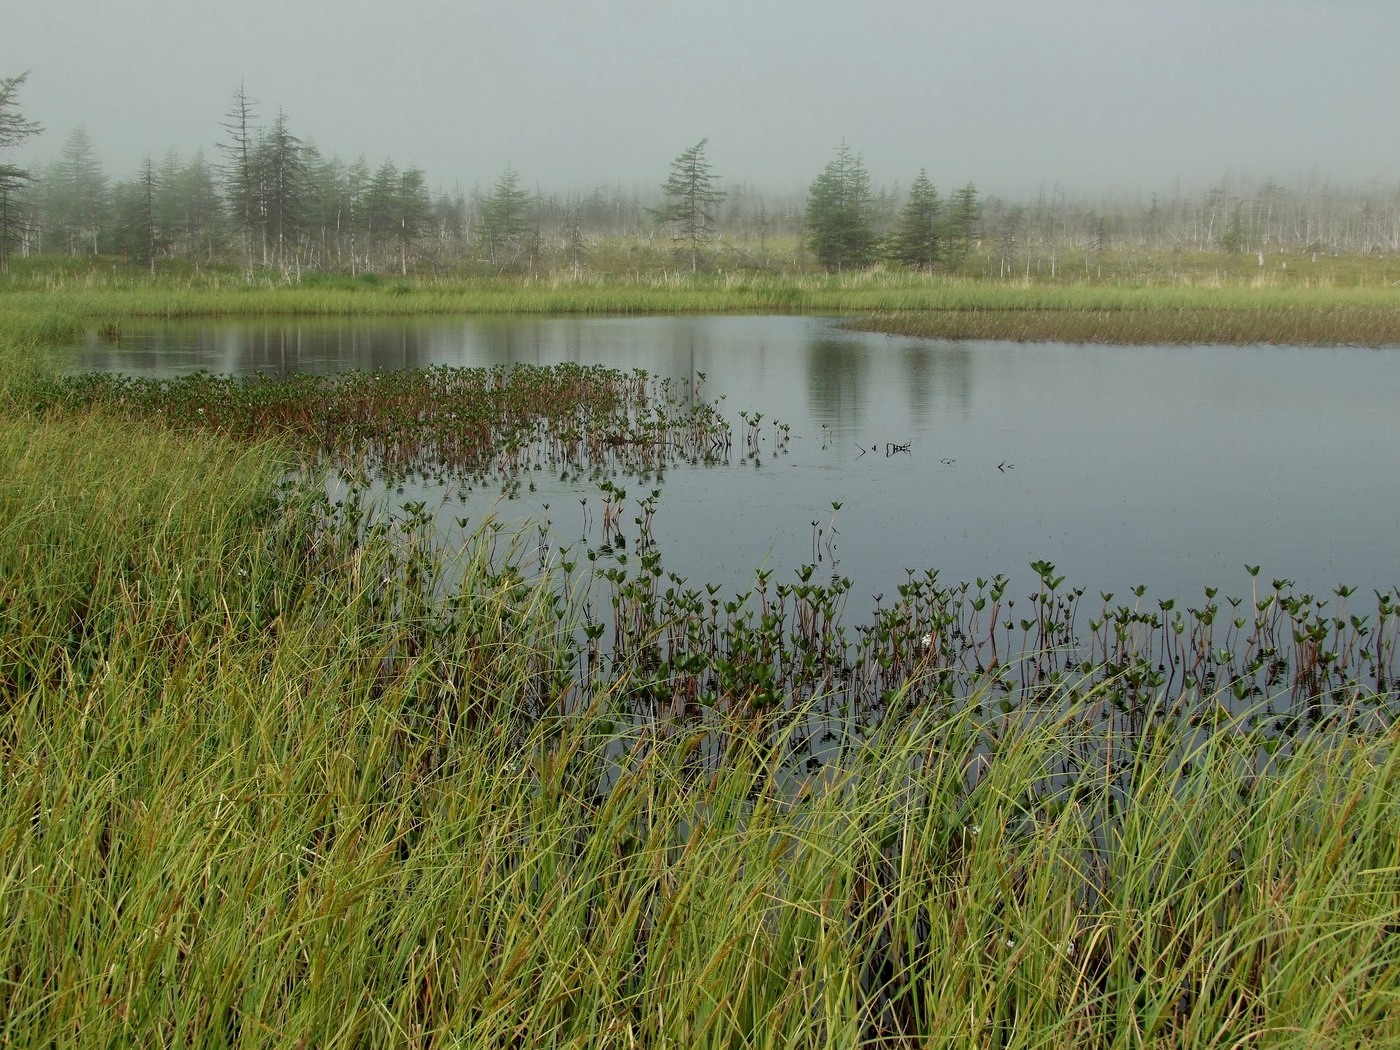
1172,467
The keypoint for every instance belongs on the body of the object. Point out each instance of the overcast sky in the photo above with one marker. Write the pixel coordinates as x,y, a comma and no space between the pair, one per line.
1128,97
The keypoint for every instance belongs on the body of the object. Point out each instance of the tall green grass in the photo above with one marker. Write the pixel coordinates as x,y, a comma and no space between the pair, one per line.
277,771
1134,311
264,785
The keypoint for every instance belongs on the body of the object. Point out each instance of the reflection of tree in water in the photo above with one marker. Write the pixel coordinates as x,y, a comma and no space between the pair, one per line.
688,345
937,370
506,340
836,381
680,362
503,341
322,348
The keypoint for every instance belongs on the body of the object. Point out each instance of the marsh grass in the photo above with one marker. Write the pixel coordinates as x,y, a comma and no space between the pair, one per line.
1147,307
266,784
1309,656
1281,325
281,770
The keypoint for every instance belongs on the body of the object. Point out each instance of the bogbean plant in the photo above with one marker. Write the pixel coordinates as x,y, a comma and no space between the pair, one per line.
462,425
1277,667
280,768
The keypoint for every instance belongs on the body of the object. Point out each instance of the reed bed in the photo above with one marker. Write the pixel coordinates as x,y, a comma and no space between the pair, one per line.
1284,325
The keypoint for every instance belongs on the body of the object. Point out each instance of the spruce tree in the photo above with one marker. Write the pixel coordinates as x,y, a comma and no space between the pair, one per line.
241,175
283,190
14,129
504,228
413,210
380,210
963,218
691,198
77,205
839,204
918,240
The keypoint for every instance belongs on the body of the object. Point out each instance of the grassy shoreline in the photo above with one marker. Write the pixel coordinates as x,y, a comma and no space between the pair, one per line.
1236,310
1283,325
264,784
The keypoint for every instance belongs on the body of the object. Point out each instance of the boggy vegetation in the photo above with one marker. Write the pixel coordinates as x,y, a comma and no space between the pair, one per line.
1278,663
1162,300
1202,326
283,766
783,638
269,781
446,424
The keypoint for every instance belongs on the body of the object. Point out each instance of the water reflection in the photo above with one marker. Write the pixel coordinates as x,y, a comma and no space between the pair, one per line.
836,379
838,369
241,348
941,372
1171,467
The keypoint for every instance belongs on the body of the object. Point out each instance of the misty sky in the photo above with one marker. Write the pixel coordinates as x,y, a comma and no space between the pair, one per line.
1126,97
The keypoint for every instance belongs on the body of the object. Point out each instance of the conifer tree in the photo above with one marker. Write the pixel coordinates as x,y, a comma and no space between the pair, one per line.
963,218
918,240
242,180
839,225
380,207
691,198
504,228
139,234
14,129
283,190
77,195
413,209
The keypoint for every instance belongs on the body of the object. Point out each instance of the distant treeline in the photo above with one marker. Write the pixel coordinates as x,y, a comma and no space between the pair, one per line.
265,198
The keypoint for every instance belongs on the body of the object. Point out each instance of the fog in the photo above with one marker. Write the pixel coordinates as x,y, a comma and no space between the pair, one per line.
1119,97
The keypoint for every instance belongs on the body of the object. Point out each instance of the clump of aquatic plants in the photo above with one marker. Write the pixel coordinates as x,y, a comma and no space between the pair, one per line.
444,424
1277,662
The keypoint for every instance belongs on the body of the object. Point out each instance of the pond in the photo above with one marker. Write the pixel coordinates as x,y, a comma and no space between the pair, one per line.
1170,467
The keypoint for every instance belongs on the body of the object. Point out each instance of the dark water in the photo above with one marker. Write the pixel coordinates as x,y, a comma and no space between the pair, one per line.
1172,467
